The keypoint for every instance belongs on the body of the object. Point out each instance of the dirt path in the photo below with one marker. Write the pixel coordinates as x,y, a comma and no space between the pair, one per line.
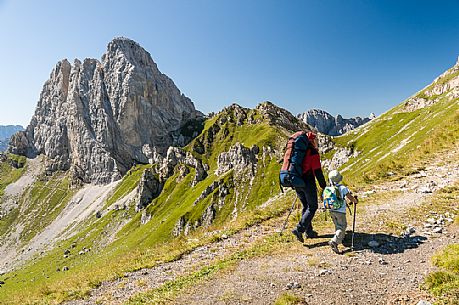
388,274
319,277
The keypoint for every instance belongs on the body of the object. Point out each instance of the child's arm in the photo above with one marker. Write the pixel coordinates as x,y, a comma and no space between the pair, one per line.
352,198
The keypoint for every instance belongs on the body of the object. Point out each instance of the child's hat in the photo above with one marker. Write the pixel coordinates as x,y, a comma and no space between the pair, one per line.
335,177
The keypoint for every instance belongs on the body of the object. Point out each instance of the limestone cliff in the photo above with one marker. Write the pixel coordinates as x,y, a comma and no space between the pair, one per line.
94,117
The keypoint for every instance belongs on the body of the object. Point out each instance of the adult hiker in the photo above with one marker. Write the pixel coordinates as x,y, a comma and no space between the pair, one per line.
311,170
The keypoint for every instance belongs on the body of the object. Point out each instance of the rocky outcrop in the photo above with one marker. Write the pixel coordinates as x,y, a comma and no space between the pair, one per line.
340,157
149,188
94,117
444,86
280,117
241,159
329,125
176,156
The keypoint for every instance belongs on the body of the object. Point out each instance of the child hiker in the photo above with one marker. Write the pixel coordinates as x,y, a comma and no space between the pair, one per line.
339,215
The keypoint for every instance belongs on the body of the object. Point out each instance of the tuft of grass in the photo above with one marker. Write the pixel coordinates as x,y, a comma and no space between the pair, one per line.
288,298
445,282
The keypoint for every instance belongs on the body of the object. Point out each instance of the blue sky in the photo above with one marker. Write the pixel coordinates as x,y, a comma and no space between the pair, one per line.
347,57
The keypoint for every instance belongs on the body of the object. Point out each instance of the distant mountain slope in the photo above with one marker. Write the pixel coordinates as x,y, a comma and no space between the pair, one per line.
6,131
329,125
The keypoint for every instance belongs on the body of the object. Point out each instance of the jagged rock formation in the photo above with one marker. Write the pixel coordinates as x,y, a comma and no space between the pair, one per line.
444,86
95,117
241,159
6,131
149,187
177,156
328,124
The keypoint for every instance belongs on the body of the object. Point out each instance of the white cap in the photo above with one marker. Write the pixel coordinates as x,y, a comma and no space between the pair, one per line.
335,177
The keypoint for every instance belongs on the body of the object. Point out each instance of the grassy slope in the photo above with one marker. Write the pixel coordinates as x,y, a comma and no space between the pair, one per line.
400,143
9,174
136,246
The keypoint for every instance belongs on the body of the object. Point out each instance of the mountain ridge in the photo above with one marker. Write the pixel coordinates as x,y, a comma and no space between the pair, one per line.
327,124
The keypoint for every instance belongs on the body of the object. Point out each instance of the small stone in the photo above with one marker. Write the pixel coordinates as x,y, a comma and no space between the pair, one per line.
382,261
308,295
373,244
296,285
65,268
224,236
67,252
272,285
81,252
437,230
422,302
431,220
323,272
66,256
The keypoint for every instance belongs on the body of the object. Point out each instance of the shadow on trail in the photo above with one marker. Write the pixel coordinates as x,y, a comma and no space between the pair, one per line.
385,243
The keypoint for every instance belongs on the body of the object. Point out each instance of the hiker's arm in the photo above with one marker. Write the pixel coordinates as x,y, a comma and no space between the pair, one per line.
320,178
351,198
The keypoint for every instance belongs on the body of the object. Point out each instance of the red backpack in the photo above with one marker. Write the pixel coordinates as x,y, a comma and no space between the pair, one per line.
295,151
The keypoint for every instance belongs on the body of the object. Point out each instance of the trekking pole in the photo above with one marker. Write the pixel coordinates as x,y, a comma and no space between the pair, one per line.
286,220
353,227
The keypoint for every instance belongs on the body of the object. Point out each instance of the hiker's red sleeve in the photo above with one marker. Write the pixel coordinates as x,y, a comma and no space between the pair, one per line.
315,162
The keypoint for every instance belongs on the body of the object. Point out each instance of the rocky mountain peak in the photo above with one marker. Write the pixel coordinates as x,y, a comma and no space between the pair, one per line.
328,124
122,48
94,117
281,117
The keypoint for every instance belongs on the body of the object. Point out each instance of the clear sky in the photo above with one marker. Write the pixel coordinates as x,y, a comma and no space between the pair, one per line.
346,57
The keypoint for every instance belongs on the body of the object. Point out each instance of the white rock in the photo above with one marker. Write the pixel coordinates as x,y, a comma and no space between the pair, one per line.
437,230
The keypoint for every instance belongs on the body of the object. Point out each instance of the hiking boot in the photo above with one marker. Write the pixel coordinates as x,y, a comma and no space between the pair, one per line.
334,246
312,234
298,235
